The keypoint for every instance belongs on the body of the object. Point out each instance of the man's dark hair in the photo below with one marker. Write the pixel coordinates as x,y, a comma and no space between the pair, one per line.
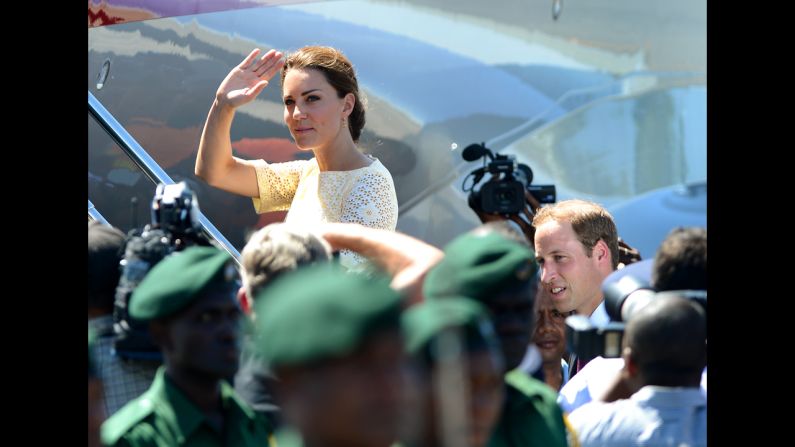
668,342
105,250
681,260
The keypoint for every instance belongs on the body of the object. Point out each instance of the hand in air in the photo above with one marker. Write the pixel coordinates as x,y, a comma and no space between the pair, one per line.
249,78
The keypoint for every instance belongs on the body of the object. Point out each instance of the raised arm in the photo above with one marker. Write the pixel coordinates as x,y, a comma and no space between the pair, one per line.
403,257
215,163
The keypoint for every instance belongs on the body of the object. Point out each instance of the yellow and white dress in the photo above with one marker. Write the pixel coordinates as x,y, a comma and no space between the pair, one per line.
365,196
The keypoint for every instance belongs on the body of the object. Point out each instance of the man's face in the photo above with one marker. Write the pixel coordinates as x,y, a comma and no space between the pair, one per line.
205,338
550,329
512,311
355,400
572,278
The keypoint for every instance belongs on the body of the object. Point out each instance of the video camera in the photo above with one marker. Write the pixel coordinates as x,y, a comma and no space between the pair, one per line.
503,193
623,299
174,227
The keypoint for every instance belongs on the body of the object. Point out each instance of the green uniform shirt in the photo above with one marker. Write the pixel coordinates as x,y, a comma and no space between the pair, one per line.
289,437
530,416
163,416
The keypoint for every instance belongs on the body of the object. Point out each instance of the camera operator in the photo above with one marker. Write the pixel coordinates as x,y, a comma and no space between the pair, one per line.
174,227
126,356
506,194
664,354
679,264
123,379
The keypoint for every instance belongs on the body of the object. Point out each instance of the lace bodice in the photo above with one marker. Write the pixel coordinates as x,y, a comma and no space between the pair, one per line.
365,196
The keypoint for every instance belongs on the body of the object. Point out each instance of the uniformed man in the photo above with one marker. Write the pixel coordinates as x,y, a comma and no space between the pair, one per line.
502,275
459,369
189,301
333,339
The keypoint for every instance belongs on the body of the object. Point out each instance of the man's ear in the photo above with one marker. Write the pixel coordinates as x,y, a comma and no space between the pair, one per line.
630,369
601,251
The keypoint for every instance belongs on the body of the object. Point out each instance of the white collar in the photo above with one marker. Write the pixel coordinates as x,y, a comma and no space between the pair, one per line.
599,316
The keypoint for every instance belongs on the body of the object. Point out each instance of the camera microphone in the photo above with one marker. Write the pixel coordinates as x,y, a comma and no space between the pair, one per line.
506,190
475,151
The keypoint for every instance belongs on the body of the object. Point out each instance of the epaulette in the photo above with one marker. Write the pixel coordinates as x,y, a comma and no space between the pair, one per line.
529,386
126,418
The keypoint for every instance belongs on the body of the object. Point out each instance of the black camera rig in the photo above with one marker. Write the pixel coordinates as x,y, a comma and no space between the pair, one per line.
504,191
623,299
174,227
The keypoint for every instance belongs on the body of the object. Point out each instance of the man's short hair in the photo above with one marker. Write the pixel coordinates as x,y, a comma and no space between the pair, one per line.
105,251
681,260
668,341
278,248
589,220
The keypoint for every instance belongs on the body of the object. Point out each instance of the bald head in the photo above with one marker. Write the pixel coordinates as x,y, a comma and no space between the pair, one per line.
667,342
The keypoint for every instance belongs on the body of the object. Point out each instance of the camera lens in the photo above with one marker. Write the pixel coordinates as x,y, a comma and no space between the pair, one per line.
506,196
616,293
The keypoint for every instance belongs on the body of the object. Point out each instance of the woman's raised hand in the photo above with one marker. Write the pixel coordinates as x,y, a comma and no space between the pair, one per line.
247,80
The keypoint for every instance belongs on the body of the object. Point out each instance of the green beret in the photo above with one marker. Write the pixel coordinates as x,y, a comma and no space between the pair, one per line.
178,279
480,266
320,311
424,321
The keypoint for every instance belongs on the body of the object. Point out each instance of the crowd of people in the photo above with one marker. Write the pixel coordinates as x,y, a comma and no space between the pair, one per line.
336,330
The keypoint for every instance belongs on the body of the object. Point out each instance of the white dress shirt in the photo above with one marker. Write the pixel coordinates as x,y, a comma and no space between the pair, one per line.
654,416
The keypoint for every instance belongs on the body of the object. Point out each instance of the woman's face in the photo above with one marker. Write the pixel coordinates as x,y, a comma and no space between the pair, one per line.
312,109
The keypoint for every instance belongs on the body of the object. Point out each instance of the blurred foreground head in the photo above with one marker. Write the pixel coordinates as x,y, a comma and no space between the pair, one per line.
459,366
501,275
334,341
